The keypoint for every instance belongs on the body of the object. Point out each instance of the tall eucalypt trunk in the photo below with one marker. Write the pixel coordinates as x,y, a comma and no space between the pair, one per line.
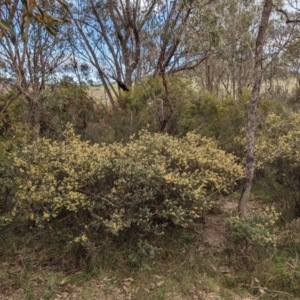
250,126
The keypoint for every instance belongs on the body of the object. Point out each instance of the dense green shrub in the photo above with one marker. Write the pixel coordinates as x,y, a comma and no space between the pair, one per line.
65,102
277,149
293,100
14,133
127,191
223,119
279,138
255,229
210,106
250,239
146,104
289,238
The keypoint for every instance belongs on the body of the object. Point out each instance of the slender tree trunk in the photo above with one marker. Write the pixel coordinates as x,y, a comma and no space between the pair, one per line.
35,117
209,84
250,126
166,120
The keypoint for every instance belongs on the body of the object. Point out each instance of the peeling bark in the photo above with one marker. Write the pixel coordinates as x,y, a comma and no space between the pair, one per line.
250,126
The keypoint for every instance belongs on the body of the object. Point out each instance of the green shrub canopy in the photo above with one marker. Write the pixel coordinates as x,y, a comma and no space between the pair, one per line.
153,181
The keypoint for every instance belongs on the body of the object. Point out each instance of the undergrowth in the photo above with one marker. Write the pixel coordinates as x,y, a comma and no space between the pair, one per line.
184,268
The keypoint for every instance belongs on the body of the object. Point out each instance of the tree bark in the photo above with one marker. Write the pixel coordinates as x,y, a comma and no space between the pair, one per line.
35,117
250,126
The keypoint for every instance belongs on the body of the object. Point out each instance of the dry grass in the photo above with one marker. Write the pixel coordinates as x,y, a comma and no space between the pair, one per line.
99,95
189,266
192,265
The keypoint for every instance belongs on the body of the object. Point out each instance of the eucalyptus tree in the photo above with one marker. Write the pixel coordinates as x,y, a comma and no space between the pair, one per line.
250,125
281,63
290,13
126,40
33,10
230,65
30,55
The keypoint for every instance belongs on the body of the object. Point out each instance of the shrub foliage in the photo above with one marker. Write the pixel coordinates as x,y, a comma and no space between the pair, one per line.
255,229
251,239
132,190
277,149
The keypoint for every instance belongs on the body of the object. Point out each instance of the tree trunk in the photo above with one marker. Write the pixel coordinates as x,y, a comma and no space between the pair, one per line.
209,84
250,126
35,117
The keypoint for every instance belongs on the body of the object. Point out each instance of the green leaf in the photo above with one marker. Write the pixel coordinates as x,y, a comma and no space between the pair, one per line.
6,26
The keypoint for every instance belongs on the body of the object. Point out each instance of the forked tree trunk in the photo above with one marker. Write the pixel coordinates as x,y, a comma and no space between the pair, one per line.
250,126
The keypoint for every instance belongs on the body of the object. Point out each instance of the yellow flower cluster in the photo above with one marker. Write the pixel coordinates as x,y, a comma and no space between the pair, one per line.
82,239
279,138
257,228
153,180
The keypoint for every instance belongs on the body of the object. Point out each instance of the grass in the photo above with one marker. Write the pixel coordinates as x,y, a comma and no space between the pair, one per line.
99,95
180,271
197,276
187,267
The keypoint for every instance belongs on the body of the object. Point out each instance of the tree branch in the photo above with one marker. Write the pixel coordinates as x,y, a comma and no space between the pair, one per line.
288,20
